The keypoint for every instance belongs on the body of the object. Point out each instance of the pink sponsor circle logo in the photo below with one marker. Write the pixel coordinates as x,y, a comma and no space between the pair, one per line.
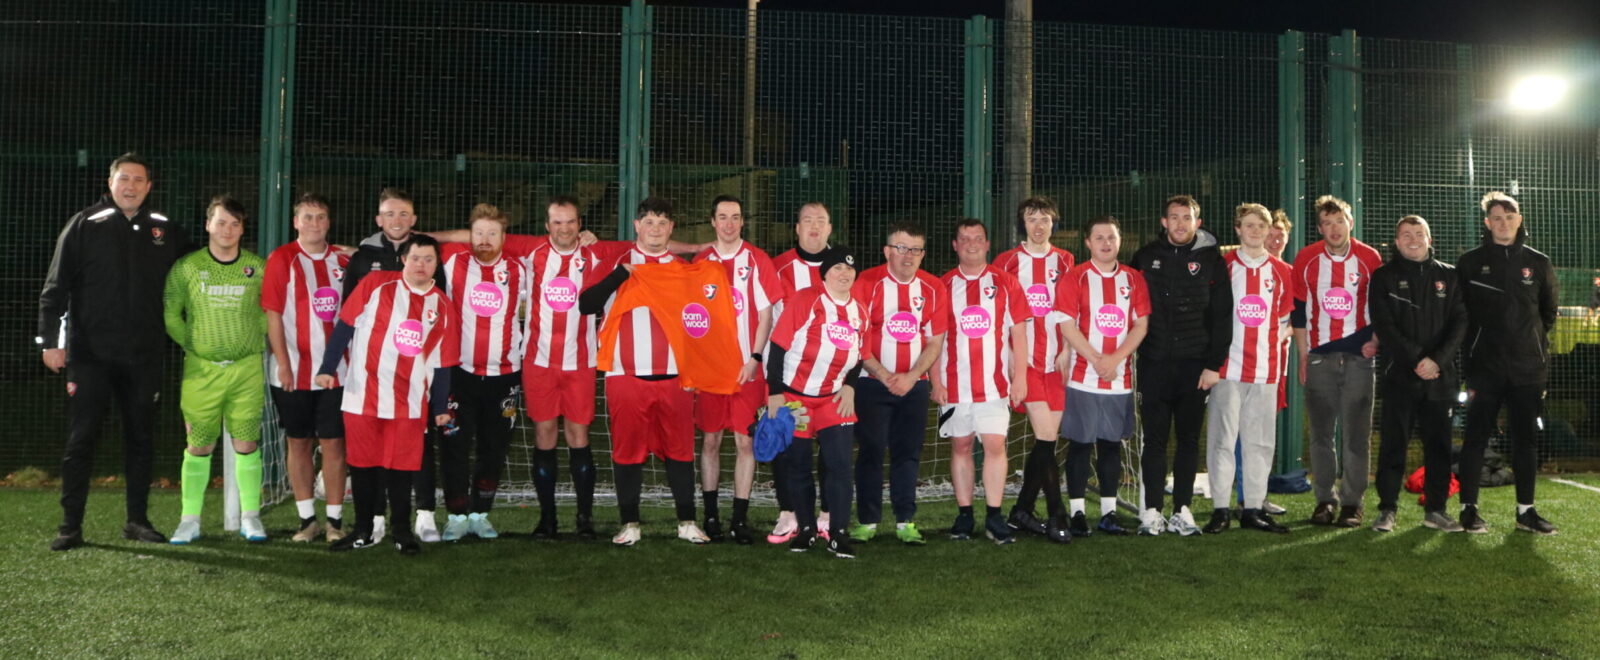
975,321
561,294
1338,302
1038,299
408,337
696,320
902,327
1110,320
738,301
485,299
841,334
1252,310
325,302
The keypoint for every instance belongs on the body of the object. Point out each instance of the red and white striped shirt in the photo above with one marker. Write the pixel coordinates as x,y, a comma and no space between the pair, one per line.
1105,307
1262,301
901,316
642,348
1038,275
1334,289
557,335
975,363
486,298
755,288
306,289
823,339
794,274
402,335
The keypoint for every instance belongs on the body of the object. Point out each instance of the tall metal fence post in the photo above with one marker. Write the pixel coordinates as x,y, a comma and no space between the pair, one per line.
977,105
1344,123
1464,107
1291,195
277,120
633,154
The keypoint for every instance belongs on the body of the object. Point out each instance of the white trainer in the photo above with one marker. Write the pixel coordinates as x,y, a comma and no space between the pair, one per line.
379,528
1182,523
251,529
785,528
427,528
627,536
690,532
187,532
478,524
1151,523
455,527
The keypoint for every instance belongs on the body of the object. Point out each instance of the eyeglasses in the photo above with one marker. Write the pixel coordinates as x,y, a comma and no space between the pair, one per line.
913,251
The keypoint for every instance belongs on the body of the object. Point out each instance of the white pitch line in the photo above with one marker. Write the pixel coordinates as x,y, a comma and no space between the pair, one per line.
1577,485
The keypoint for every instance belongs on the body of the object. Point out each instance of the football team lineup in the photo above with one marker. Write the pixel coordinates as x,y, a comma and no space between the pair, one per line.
415,343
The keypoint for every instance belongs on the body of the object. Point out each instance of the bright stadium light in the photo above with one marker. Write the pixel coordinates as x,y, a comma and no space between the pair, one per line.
1538,92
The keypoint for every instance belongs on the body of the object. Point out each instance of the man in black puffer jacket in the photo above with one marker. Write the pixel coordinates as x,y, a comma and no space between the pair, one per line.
1511,309
1420,317
1191,300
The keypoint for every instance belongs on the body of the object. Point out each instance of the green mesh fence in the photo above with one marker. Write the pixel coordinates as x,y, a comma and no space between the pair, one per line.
882,118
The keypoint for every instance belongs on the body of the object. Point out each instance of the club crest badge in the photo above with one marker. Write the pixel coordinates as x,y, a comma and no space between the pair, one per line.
710,291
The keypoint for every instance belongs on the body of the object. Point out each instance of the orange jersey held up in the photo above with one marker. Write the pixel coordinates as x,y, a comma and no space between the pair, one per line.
693,304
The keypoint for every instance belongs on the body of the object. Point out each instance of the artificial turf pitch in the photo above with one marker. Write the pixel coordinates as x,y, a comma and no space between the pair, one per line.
1318,592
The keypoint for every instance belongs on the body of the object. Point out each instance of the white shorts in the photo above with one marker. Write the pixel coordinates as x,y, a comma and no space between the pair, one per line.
964,419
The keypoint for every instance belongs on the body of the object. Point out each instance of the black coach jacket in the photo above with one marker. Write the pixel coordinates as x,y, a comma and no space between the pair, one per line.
1191,300
376,252
102,296
1511,309
1418,311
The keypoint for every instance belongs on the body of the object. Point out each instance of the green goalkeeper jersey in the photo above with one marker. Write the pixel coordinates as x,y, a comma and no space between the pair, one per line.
213,309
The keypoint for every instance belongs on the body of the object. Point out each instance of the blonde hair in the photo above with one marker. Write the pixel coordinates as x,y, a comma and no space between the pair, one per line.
487,212
1280,219
1251,208
1328,204
1495,198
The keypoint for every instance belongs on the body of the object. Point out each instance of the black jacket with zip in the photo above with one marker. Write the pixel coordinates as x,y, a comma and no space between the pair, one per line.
1418,311
1191,300
102,297
1511,309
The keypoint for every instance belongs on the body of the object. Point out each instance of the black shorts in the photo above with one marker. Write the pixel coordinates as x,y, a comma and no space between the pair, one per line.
310,413
1594,300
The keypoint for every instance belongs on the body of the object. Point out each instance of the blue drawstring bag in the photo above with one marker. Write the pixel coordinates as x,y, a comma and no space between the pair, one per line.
773,434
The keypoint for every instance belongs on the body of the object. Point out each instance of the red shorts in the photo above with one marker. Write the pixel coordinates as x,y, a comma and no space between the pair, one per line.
649,417
730,412
550,393
387,443
1050,388
824,414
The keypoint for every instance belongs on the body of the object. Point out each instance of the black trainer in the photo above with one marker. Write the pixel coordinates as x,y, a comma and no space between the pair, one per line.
1057,530
713,529
1221,520
962,529
1258,519
1109,524
1023,520
997,530
839,545
741,532
1529,521
359,540
142,530
1080,525
406,542
1471,522
803,540
546,529
67,540
585,527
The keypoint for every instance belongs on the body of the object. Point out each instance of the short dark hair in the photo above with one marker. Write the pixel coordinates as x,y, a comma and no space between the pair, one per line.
312,199
1036,203
1495,198
132,158
658,205
815,203
972,222
1184,200
561,200
909,228
419,239
1088,227
227,203
392,192
726,198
